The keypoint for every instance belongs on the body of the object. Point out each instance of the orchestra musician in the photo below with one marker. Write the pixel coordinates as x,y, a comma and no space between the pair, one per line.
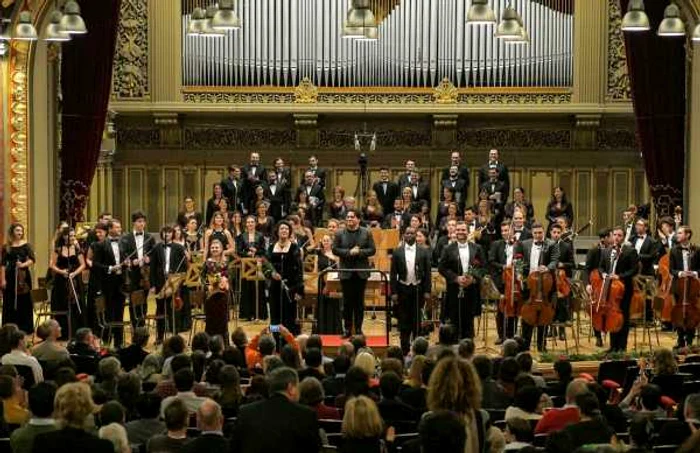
665,234
593,257
16,279
314,196
330,318
286,278
567,263
461,174
521,202
95,280
276,193
405,178
232,189
539,255
501,171
501,256
559,206
137,246
67,264
168,258
215,278
320,174
215,202
495,191
188,212
684,262
647,250
395,219
520,231
628,222
353,245
419,190
410,279
462,264
387,191
444,240
620,261
253,173
457,186
251,244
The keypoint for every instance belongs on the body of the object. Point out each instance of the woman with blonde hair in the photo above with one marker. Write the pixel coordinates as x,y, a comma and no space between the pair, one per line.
664,362
368,363
116,434
362,427
73,409
455,386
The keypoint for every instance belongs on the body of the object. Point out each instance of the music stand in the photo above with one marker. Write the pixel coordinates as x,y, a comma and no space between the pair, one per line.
488,294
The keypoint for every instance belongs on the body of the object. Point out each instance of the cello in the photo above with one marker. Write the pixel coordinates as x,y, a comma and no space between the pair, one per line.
512,298
539,310
605,302
686,313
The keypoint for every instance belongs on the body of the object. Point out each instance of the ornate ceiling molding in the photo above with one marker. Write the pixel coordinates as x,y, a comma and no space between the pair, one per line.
130,79
19,132
618,89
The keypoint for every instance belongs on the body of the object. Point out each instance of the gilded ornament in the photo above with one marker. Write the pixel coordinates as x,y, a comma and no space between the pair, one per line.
18,131
445,92
618,78
130,79
306,92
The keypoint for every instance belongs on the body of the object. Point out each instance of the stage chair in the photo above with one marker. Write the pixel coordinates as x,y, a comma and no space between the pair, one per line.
197,315
42,309
104,325
647,287
490,296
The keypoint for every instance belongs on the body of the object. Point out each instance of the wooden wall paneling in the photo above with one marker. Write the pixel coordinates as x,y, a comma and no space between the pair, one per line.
347,179
583,199
136,193
621,193
119,193
602,199
212,175
640,188
541,181
155,198
516,180
189,185
173,198
566,181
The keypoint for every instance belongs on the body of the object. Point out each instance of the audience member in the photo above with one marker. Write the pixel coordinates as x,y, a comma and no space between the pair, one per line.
559,418
134,354
518,434
257,391
149,370
368,364
362,427
263,345
184,382
166,387
140,430
128,393
175,346
415,396
643,398
176,419
14,409
109,369
676,432
611,412
641,430
210,422
41,398
442,431
314,365
525,362
465,349
564,372
18,356
335,385
112,412
50,350
527,404
264,426
216,347
447,339
493,396
85,344
116,434
590,429
311,394
391,408
290,357
72,407
229,396
507,372
65,375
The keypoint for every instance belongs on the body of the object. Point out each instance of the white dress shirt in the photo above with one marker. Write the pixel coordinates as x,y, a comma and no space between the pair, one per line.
115,250
410,252
464,256
686,260
139,245
17,357
166,268
638,243
273,189
535,256
509,254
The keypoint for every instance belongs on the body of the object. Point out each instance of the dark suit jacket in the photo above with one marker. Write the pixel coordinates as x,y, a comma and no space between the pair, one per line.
648,255
450,267
502,176
676,263
279,201
566,257
207,443
498,260
321,174
548,257
234,193
460,187
387,199
251,181
103,258
498,186
344,241
395,410
389,218
70,440
399,270
423,193
178,263
626,264
462,173
592,260
149,242
131,356
525,234
316,191
276,425
404,180
243,246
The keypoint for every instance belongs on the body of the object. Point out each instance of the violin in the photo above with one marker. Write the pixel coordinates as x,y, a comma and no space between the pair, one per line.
605,303
539,310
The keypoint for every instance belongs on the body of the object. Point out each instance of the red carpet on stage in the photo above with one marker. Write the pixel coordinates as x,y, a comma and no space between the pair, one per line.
374,342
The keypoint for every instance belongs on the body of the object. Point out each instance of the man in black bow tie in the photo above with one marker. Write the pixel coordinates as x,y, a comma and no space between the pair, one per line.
386,189
167,258
462,264
684,263
410,280
501,169
138,245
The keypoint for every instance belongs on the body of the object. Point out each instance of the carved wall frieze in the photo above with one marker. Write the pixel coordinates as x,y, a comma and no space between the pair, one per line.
344,138
130,79
138,138
445,92
615,139
618,79
514,138
238,98
210,138
19,133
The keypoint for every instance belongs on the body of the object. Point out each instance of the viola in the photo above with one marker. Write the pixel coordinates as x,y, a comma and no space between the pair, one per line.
605,304
686,313
539,310
512,298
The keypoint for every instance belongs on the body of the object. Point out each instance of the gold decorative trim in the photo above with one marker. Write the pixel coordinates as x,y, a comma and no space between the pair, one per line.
445,92
618,89
130,79
19,132
306,92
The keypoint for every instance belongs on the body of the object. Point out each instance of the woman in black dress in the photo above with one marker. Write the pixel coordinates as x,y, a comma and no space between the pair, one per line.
524,204
214,203
287,282
301,234
337,208
17,258
67,264
215,279
409,204
218,231
329,321
257,199
236,223
264,223
250,244
559,206
188,212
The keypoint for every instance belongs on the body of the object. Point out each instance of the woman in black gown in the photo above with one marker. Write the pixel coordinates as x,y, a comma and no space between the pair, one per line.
215,202
219,231
17,255
67,264
559,206
215,278
287,282
329,321
250,244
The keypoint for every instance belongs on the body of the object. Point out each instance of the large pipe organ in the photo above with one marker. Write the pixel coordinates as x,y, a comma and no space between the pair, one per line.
420,43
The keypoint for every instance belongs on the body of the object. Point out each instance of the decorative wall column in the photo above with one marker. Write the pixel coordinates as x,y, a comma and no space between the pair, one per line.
165,49
307,130
586,131
692,168
590,22
445,131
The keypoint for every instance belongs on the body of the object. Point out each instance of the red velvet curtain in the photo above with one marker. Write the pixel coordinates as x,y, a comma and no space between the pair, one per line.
657,68
86,78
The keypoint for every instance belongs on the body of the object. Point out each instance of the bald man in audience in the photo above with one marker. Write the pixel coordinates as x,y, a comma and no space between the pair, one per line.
558,419
210,421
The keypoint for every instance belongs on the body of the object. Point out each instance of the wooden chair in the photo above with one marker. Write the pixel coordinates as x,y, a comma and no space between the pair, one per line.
103,323
197,315
42,308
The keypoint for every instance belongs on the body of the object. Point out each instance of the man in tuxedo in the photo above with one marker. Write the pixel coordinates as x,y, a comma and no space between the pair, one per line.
471,220
395,218
314,196
405,178
566,262
502,254
353,245
496,191
628,221
137,246
501,169
109,260
456,183
592,263
276,193
620,261
96,275
420,190
520,231
284,180
463,265
540,255
320,174
646,247
410,280
387,191
462,170
444,240
684,262
253,174
279,423
232,188
210,422
167,258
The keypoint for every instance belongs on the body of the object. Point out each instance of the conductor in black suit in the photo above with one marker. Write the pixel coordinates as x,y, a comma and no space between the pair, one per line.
353,245
137,246
410,280
462,264
621,262
277,424
167,258
387,190
109,260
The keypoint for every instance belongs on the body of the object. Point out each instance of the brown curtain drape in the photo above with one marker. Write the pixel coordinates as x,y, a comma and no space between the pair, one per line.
657,68
86,77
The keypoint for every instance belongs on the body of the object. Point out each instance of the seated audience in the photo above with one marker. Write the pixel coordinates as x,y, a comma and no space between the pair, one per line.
216,347
184,382
442,431
18,356
447,340
72,407
41,398
134,354
391,408
525,362
112,412
643,398
263,345
563,371
13,401
527,404
210,422
676,432
362,427
518,434
264,426
493,396
368,363
149,370
175,346
140,430
50,350
465,349
311,394
128,393
290,357
176,419
229,395
109,369
166,387
412,394
590,429
335,385
314,365
116,434
85,344
507,372
611,412
356,384
258,390
557,419
641,430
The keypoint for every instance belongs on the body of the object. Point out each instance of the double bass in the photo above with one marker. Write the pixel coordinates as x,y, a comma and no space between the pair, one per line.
605,302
